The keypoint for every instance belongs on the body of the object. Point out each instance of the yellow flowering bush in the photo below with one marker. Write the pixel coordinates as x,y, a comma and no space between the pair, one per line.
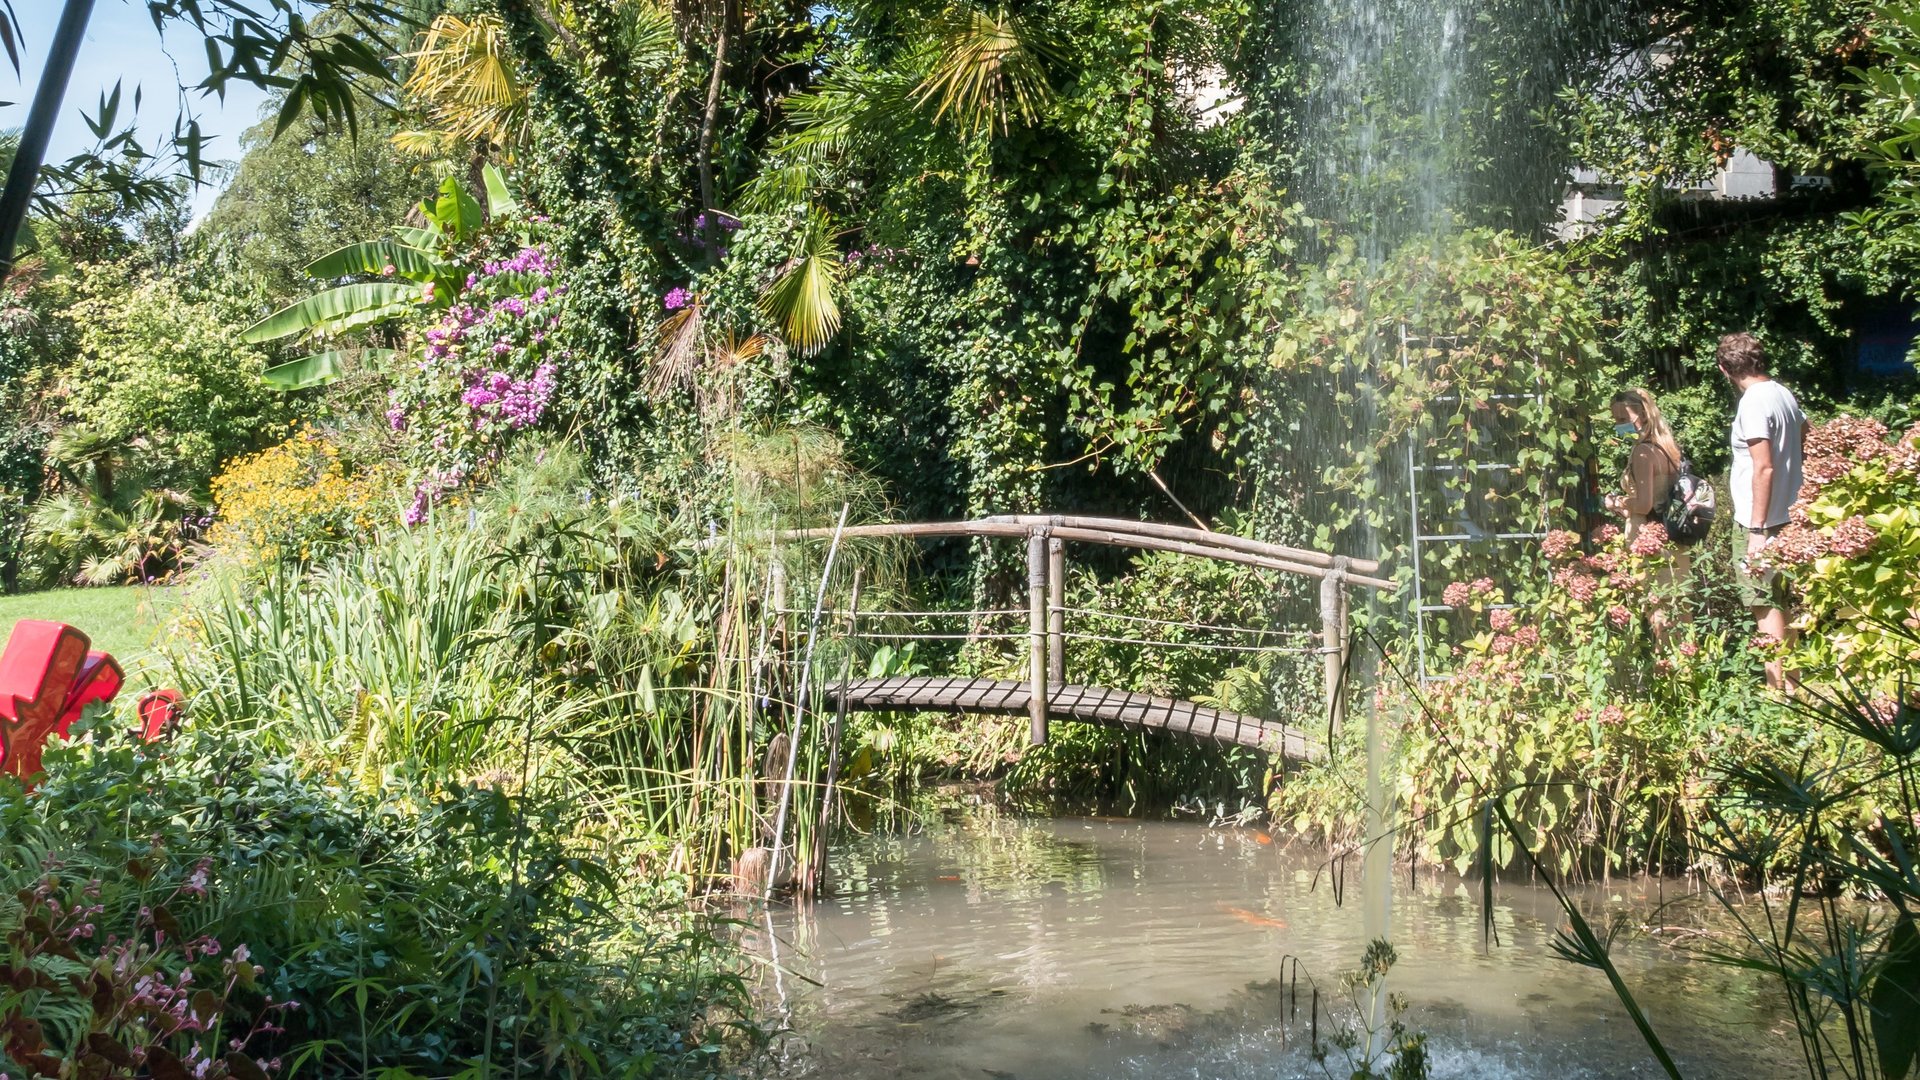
290,502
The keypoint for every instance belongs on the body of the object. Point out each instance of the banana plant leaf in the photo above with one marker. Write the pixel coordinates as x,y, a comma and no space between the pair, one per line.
335,309
424,239
455,211
315,370
500,200
374,257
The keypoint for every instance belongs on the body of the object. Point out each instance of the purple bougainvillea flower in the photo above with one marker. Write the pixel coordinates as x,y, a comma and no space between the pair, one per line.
676,298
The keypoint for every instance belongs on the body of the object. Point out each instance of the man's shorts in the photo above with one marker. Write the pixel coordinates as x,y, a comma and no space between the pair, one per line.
1761,586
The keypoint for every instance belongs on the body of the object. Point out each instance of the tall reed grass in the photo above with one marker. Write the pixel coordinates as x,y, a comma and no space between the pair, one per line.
633,657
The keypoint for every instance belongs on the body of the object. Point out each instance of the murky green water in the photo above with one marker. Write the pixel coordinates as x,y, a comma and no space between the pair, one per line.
994,947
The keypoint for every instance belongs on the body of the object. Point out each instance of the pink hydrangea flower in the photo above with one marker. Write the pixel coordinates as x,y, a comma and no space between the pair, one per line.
1852,537
1560,543
1500,619
1607,534
1527,635
1613,715
1456,595
1482,586
1619,616
1688,648
1577,584
1651,539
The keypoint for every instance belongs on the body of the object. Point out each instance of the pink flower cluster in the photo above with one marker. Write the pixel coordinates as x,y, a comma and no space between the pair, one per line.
432,490
498,396
1651,539
1619,616
1500,619
1852,538
1560,544
1577,583
1457,595
528,260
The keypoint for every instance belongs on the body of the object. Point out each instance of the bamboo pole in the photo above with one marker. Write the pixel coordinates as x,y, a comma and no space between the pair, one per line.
833,742
1120,533
800,708
1333,645
1056,611
1037,635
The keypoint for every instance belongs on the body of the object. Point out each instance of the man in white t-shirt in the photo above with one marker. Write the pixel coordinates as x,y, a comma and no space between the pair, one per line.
1769,433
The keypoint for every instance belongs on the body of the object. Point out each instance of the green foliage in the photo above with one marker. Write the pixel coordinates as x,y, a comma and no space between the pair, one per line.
309,190
1602,738
158,368
1850,552
1478,349
426,928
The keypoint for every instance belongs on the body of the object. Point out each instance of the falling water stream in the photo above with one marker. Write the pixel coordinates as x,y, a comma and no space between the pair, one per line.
987,946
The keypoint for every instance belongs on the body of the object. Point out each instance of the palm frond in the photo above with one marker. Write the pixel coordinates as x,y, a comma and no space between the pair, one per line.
801,300
463,73
677,356
988,70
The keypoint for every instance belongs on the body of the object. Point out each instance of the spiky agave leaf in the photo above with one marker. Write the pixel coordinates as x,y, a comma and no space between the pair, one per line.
988,69
801,299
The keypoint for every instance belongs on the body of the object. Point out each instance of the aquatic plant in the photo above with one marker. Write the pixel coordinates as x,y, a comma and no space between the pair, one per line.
1377,1044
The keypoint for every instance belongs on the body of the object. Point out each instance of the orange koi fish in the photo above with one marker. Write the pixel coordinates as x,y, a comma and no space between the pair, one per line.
1253,918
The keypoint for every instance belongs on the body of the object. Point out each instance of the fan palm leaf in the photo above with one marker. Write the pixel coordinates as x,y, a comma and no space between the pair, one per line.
801,300
988,69
463,73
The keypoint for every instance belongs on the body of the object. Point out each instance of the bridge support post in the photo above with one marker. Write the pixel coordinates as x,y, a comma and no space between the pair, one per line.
1333,641
1037,635
1056,612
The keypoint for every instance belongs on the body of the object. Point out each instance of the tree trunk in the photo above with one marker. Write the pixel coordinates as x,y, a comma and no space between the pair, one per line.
709,123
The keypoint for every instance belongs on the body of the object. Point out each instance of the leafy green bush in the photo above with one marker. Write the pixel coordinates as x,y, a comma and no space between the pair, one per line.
158,362
427,929
1604,738
1851,550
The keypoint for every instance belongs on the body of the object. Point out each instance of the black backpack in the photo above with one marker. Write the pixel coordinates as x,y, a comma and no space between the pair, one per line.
1688,513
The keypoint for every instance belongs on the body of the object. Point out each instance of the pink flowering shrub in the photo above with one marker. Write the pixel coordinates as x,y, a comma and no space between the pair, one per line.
150,1002
485,372
1851,552
1600,733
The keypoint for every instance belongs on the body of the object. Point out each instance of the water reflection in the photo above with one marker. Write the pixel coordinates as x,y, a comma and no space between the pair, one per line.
991,946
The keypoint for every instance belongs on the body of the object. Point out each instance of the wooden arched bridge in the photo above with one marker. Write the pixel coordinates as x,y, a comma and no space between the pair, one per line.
1045,694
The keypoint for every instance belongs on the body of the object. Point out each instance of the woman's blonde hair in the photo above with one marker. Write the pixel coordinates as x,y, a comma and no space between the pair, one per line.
1653,425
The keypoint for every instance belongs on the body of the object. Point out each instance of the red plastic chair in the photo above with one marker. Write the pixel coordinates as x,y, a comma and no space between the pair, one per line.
39,675
159,714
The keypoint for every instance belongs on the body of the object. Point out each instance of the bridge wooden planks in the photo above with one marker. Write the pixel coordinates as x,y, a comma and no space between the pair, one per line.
1090,704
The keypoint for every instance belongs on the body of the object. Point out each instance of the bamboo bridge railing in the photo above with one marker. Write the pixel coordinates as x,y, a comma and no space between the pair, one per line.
1045,691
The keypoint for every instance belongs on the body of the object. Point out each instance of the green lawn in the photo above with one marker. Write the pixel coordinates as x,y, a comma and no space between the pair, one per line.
120,620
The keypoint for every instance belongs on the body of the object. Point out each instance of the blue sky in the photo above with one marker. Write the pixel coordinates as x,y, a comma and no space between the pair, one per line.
122,45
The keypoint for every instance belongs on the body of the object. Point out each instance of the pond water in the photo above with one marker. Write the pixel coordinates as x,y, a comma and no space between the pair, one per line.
988,946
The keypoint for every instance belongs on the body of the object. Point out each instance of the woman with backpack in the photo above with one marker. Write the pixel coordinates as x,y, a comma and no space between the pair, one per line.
1653,465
